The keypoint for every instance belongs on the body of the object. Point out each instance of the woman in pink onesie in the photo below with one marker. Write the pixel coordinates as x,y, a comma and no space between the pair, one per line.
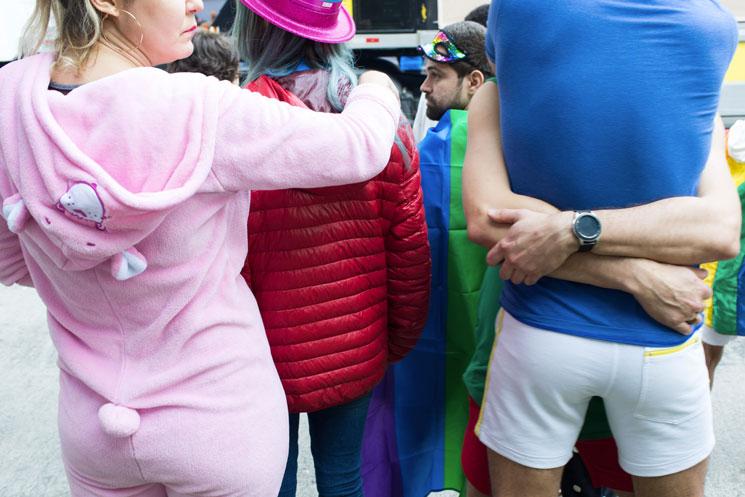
124,191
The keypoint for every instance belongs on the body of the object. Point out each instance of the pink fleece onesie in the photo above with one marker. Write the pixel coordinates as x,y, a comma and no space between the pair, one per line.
125,204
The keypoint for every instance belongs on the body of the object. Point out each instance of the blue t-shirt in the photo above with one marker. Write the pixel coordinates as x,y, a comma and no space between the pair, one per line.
605,104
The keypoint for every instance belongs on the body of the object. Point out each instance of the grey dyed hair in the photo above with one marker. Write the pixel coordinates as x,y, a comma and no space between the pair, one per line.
272,51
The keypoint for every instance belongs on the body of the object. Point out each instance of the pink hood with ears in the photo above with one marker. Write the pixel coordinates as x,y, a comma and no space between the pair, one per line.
112,156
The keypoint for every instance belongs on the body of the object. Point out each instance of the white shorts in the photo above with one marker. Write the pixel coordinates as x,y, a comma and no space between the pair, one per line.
712,337
540,384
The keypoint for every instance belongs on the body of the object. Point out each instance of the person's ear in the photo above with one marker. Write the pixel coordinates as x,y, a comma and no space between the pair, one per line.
106,7
474,81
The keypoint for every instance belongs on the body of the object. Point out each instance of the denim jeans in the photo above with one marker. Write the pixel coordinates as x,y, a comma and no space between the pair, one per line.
335,442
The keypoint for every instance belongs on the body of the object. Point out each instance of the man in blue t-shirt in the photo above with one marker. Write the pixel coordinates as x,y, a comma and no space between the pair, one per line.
595,174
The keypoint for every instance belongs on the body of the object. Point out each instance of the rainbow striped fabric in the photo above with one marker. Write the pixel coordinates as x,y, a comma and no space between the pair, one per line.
725,311
418,413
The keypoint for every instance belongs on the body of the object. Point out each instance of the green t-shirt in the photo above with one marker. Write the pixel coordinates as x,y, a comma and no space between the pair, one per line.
489,303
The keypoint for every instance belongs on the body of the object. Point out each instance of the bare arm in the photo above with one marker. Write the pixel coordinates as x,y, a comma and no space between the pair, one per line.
672,295
679,230
486,185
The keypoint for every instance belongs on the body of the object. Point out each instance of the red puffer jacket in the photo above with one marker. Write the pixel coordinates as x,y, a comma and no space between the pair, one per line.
341,274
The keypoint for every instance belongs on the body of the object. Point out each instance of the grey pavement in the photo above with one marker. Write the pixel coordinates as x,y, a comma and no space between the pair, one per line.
29,451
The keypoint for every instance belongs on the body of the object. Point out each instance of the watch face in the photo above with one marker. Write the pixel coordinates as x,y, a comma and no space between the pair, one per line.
588,227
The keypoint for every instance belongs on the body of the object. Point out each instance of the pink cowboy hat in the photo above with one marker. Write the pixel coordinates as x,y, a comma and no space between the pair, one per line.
326,21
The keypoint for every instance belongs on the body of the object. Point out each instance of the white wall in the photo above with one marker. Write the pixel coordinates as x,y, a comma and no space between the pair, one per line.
450,11
15,15
737,7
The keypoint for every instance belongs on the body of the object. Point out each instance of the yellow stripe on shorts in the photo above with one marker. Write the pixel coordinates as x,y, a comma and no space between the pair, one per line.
497,332
672,350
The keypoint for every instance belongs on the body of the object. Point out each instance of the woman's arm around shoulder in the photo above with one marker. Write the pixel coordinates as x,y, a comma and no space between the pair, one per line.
263,144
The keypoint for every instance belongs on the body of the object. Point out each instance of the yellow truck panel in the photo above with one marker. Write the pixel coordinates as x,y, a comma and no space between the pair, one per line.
736,70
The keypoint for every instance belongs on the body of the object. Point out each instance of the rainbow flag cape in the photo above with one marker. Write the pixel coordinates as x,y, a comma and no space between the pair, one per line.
725,311
418,413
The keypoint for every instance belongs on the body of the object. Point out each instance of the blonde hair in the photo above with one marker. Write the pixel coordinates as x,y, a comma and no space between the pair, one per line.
79,28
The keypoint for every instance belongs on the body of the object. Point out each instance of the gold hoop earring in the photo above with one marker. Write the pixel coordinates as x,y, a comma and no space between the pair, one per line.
127,54
142,31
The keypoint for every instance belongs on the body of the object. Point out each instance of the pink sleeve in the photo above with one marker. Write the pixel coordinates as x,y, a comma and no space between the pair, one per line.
12,265
264,144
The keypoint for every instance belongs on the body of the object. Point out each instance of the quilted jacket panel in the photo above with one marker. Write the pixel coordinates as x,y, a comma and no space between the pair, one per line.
341,274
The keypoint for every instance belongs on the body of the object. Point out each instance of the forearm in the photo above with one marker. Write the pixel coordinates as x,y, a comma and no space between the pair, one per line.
486,184
674,296
482,230
616,273
681,230
281,146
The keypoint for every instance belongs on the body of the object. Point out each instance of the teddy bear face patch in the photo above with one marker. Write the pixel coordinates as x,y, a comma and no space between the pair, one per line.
83,202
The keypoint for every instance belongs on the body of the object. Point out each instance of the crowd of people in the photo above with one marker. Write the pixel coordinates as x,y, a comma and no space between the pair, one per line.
219,252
